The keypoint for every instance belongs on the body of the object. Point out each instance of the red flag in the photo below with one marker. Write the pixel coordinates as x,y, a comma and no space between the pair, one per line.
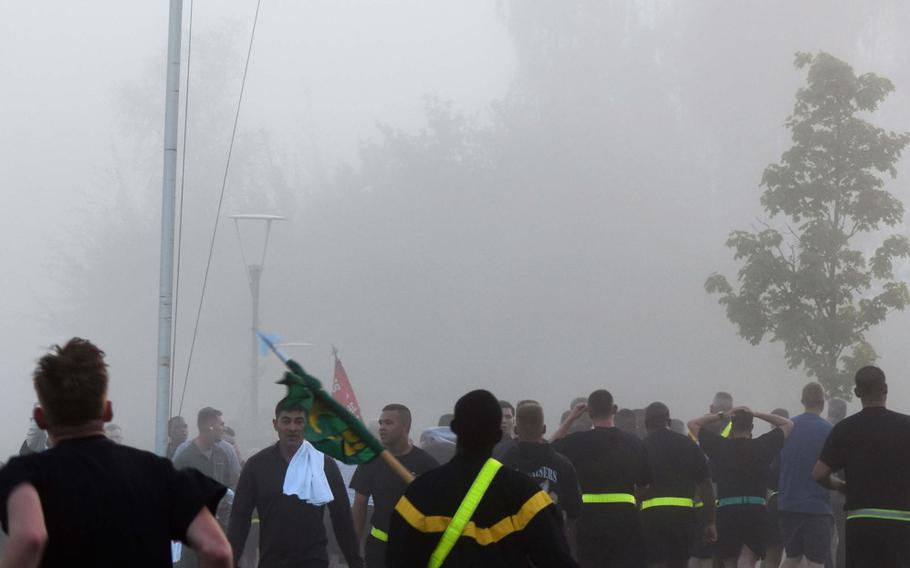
342,390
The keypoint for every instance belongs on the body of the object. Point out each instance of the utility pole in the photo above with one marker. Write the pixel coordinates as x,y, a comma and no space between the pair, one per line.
254,276
168,205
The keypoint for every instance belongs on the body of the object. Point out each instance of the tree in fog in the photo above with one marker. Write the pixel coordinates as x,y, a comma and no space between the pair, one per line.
808,283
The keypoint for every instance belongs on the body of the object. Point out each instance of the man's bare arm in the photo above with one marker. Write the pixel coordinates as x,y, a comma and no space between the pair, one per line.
822,474
785,424
359,514
574,415
706,494
696,424
27,533
206,537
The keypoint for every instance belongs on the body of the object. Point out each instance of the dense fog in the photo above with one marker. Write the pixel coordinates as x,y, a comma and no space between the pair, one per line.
523,195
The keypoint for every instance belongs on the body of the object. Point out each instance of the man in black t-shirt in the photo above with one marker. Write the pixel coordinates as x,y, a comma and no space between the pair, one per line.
377,480
90,502
740,466
871,448
610,465
514,524
678,467
534,457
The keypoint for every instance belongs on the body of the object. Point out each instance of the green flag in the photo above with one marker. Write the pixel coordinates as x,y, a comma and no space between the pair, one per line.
330,427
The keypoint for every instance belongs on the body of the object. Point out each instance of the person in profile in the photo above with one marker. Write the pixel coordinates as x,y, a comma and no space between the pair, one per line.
88,501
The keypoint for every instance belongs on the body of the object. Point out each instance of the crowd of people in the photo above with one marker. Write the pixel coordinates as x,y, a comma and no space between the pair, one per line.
488,486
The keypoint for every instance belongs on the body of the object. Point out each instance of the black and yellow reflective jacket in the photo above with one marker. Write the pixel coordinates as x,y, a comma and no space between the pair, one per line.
515,524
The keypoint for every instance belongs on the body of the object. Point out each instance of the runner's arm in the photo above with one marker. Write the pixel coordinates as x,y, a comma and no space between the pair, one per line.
359,514
696,424
822,474
340,511
242,510
574,415
205,536
706,494
27,533
785,424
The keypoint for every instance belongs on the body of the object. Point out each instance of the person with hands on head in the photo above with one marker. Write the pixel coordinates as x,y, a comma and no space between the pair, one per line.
740,465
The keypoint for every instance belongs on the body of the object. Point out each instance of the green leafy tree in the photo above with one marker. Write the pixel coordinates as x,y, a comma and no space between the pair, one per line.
809,285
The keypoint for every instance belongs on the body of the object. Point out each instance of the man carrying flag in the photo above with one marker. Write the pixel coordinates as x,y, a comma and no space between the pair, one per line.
290,483
291,530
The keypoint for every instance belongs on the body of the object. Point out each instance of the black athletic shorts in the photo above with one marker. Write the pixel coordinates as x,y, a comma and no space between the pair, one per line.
738,525
610,537
806,534
876,543
668,532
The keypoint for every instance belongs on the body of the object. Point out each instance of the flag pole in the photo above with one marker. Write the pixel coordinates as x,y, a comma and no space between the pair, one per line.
350,419
396,466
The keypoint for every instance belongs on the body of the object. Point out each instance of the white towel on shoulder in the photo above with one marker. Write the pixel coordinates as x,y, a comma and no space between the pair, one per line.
306,478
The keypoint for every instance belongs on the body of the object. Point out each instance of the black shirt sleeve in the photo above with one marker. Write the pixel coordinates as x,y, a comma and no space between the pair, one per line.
546,541
833,451
15,473
771,443
569,490
408,547
190,491
362,480
709,442
242,511
342,522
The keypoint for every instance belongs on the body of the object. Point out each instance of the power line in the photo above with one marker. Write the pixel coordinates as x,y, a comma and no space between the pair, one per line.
227,167
186,113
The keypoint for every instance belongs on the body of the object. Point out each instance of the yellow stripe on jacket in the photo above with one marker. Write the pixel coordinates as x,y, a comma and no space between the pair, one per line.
483,536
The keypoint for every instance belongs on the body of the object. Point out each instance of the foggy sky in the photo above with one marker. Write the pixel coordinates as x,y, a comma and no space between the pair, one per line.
541,292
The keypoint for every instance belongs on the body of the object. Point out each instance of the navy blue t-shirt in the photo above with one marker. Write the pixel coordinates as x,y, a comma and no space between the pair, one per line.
799,493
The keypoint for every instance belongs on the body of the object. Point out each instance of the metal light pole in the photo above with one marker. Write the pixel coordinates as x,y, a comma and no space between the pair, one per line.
168,200
254,276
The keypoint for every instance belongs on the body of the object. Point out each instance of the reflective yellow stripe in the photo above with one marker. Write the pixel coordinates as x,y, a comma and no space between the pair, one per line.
667,502
608,498
379,534
464,513
483,536
885,514
727,429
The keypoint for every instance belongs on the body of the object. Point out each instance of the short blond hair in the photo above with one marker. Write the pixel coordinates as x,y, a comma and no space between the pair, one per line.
813,395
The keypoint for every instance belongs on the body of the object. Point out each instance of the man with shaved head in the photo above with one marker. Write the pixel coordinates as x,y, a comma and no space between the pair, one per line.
679,469
534,457
871,448
474,512
611,465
